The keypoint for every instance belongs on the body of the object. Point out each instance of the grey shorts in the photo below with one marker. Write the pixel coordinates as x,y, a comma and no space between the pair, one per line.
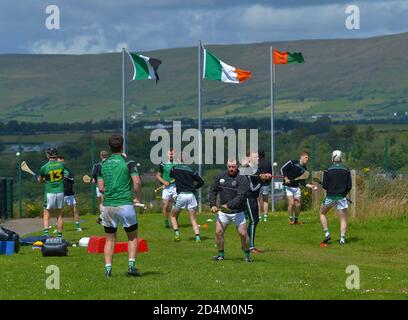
54,201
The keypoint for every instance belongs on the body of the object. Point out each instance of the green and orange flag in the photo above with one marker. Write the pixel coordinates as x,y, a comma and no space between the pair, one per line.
287,57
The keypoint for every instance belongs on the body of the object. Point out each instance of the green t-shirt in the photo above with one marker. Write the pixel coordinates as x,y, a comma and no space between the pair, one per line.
165,170
116,174
53,172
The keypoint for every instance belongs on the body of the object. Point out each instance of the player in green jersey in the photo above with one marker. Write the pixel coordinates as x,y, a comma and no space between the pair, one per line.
169,192
52,174
115,180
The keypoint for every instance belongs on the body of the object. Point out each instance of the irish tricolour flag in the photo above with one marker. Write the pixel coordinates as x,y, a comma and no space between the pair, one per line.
215,69
144,67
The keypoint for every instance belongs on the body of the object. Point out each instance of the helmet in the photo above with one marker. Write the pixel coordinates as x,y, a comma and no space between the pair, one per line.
336,156
52,152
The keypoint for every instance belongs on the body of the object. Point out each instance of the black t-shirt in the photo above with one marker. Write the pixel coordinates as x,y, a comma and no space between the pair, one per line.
293,169
264,166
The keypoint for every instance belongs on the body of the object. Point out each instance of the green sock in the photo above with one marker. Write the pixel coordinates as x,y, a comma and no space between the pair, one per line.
291,218
60,235
221,253
132,263
77,225
166,223
108,267
247,253
296,218
326,232
176,232
197,237
46,232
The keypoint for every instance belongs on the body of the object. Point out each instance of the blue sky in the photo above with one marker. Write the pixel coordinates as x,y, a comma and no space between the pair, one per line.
96,26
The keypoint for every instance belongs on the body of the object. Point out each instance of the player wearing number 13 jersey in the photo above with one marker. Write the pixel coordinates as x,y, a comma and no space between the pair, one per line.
52,174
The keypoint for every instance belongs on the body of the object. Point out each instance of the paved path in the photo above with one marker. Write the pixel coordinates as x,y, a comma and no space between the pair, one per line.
28,225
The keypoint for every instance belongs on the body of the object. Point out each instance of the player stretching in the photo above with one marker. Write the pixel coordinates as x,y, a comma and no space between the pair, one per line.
52,173
69,194
96,169
115,182
291,170
337,183
184,178
232,189
169,192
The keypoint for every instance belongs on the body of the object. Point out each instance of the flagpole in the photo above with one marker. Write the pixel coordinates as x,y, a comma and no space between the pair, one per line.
124,113
272,127
200,152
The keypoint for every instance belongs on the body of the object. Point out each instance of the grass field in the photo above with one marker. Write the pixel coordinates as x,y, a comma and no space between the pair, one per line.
293,265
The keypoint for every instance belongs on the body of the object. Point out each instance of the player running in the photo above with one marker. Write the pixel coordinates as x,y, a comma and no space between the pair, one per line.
337,183
291,170
52,174
232,189
69,194
115,181
96,169
265,168
169,193
184,178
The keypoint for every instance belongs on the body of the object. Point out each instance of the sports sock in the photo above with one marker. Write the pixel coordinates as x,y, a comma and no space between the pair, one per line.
132,263
166,223
247,253
221,253
176,232
197,236
108,267
77,225
296,218
343,236
60,235
46,232
326,232
291,218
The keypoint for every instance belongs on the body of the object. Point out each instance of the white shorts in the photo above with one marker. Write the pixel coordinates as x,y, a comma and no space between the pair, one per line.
125,215
338,204
265,190
293,192
169,192
232,218
54,201
98,193
70,200
185,201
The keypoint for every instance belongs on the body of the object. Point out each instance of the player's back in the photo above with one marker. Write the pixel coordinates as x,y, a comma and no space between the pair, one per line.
117,181
53,172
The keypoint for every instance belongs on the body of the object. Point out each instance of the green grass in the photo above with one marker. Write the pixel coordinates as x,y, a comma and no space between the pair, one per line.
293,265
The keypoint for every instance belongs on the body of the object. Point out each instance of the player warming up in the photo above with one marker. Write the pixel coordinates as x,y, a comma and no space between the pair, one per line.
292,170
337,183
169,191
52,174
232,190
115,181
69,194
184,178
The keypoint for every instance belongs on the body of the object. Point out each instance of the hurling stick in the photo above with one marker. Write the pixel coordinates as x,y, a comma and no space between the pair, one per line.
26,168
163,186
86,179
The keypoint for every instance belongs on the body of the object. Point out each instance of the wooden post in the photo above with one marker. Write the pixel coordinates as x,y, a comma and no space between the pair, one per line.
353,193
319,193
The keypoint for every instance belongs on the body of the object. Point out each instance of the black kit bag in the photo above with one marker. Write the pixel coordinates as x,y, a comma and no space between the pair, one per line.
8,235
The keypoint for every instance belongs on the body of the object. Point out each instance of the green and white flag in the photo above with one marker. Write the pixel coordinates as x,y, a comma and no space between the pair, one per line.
144,67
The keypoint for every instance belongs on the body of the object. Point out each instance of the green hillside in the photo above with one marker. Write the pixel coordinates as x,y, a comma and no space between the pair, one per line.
359,78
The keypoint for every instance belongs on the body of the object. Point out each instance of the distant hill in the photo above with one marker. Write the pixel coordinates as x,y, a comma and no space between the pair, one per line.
345,78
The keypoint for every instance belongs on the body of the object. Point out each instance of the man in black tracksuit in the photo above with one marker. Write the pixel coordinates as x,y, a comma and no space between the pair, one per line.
184,178
337,183
232,189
